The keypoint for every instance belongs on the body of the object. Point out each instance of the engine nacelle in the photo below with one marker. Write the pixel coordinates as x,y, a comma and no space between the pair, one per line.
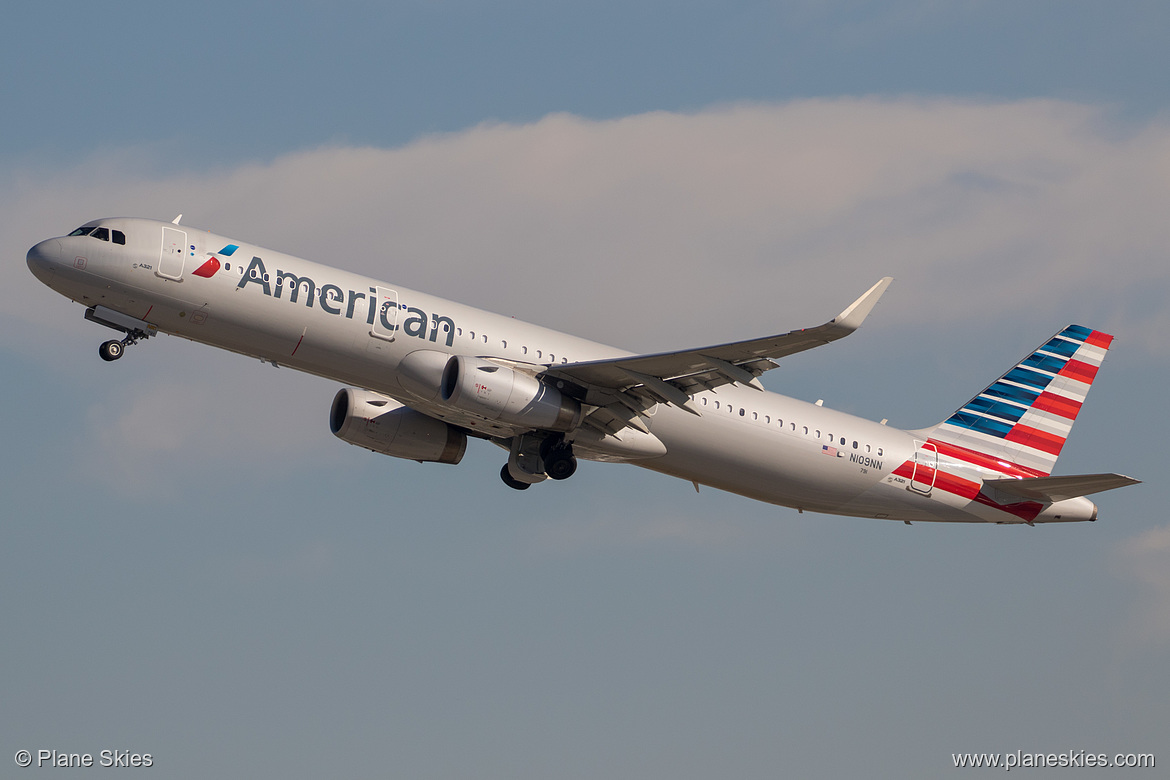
383,425
421,373
496,393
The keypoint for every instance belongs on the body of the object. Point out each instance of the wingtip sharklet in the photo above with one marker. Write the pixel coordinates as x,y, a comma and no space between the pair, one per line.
855,314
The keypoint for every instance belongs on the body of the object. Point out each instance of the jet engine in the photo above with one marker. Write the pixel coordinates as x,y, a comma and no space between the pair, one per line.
496,393
383,425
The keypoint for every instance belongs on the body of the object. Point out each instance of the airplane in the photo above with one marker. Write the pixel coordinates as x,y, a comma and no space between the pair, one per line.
423,375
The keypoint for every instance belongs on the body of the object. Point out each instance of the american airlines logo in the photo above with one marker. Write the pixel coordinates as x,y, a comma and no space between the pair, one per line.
208,269
343,303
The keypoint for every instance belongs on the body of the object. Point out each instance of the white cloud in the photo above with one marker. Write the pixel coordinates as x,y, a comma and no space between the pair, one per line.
657,229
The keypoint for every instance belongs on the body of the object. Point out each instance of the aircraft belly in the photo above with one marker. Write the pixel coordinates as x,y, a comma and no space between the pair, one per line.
896,502
755,461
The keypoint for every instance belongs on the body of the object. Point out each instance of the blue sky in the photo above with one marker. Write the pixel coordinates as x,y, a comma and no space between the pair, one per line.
193,567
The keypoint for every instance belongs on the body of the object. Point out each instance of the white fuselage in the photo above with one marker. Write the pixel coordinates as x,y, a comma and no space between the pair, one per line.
324,321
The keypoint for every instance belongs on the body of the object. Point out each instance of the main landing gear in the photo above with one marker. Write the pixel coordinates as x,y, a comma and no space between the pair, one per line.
558,458
533,460
515,484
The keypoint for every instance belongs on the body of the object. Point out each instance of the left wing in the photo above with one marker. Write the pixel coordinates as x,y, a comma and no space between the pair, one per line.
624,387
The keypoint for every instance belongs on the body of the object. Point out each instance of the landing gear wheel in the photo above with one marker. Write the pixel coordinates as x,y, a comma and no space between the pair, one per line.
549,444
512,483
111,350
560,463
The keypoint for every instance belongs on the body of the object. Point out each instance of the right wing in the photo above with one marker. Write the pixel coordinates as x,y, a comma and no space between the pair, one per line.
625,387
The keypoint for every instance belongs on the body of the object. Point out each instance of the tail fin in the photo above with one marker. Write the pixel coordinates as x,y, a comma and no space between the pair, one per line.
1024,417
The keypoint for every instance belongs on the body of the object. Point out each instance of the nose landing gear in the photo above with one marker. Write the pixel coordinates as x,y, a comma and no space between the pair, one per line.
111,350
134,329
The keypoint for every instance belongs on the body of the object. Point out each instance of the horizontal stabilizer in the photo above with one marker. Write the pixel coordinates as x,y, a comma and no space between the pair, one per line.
1060,488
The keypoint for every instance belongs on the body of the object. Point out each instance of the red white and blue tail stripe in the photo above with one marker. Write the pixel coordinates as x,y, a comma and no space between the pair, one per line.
1024,417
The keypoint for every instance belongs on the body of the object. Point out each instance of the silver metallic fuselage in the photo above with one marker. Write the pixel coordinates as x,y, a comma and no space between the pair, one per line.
757,444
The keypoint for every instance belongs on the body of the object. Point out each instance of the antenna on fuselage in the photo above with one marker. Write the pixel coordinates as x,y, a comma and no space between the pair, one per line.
175,221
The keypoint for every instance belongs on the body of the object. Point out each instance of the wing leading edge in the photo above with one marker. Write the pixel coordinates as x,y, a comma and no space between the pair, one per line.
626,386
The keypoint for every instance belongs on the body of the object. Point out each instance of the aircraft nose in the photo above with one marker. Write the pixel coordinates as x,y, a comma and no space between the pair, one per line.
43,259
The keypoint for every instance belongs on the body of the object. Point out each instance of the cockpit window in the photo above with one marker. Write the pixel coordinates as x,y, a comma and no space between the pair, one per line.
100,233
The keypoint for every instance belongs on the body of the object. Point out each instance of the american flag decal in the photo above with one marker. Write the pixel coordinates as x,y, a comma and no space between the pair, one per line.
830,451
